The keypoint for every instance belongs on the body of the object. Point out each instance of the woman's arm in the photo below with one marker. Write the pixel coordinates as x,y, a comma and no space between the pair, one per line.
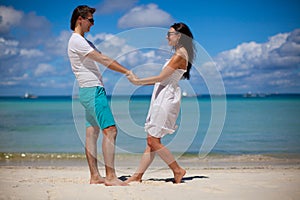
176,62
107,62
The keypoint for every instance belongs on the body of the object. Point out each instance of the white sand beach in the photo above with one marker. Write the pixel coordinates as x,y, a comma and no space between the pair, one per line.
237,178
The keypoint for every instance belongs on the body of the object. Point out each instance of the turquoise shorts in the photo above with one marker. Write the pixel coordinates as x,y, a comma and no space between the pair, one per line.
97,110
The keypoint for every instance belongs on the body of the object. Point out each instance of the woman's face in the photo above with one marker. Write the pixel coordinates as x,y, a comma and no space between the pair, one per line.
173,37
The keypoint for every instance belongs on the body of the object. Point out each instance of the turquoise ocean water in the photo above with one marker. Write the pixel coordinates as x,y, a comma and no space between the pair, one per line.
268,125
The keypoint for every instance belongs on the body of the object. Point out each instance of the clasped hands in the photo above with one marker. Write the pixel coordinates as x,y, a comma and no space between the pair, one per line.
133,78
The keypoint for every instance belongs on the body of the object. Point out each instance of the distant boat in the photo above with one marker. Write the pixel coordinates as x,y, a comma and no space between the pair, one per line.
184,94
249,95
29,96
253,95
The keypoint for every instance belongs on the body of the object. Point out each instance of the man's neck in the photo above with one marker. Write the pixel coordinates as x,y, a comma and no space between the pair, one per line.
79,31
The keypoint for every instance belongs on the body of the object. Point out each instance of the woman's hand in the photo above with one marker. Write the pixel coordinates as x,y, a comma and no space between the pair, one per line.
133,78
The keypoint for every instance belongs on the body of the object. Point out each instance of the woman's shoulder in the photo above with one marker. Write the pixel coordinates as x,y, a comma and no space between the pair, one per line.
182,52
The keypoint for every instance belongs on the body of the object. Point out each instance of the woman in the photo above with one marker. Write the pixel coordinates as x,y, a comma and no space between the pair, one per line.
165,100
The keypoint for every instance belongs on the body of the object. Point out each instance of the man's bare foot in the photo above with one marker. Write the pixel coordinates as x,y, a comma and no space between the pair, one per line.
179,175
133,179
98,180
115,182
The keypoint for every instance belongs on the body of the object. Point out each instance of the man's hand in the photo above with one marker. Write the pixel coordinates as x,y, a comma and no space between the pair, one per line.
133,78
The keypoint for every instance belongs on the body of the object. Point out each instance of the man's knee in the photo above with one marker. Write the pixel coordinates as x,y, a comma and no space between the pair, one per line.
110,132
92,131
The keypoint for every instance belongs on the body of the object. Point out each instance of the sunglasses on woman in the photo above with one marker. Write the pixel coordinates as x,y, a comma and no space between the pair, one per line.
171,33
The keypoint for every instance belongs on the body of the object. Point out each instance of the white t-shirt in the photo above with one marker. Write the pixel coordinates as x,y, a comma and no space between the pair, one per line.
85,69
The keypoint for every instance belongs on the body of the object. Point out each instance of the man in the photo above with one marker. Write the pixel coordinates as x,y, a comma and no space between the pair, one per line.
83,56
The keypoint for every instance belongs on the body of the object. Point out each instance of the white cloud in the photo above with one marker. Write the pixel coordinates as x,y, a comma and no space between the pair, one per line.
31,53
110,6
146,15
8,83
261,65
8,48
15,80
58,45
29,29
109,44
36,31
22,77
117,48
44,69
9,17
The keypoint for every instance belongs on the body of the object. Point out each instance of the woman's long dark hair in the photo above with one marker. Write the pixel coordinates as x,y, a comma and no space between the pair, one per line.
82,11
186,40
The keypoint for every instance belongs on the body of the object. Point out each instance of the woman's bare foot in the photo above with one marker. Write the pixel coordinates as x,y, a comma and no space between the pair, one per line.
133,179
97,180
115,182
178,175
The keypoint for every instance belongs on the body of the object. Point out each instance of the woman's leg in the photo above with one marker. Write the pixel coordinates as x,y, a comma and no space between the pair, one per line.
145,162
167,157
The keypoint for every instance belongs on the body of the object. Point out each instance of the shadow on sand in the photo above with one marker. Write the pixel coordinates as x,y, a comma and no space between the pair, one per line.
184,179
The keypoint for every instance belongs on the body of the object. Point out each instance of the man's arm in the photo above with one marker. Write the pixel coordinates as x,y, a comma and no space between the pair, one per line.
107,62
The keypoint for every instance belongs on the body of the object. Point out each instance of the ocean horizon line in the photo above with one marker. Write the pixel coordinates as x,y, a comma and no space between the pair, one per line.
246,95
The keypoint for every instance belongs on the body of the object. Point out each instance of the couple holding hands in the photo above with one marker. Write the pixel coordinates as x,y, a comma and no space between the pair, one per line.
164,106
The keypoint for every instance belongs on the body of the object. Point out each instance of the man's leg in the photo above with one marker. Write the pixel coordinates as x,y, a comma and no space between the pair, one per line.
92,134
108,148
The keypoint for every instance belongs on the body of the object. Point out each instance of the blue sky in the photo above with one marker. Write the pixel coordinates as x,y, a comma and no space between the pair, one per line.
255,44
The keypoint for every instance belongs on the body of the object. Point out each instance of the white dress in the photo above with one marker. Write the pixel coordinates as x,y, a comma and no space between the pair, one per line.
164,106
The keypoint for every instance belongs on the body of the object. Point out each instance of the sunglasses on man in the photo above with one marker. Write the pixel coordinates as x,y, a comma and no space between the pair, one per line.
91,20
